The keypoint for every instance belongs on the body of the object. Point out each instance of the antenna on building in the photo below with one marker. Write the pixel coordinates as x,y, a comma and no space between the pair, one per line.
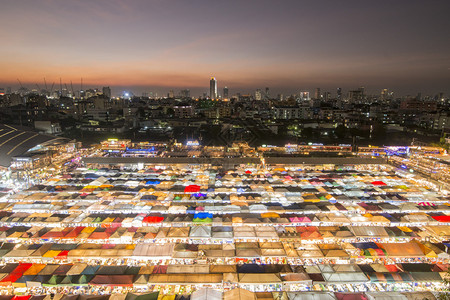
20,83
71,87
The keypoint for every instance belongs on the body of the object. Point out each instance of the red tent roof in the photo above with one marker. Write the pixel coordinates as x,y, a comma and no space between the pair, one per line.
75,232
391,268
350,296
62,255
378,182
23,297
53,234
192,189
153,219
99,235
442,218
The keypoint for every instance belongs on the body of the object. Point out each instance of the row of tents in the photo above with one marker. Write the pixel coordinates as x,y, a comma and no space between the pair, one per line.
73,275
234,251
234,294
201,230
150,202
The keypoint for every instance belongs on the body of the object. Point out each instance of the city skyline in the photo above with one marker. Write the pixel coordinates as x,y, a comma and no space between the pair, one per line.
292,47
205,91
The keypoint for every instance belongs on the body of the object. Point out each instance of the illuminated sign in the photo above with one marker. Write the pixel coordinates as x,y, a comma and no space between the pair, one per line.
151,149
192,143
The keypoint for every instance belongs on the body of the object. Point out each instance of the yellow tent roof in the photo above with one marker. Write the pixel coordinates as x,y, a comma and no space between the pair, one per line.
34,269
404,229
166,297
88,230
51,253
106,186
270,215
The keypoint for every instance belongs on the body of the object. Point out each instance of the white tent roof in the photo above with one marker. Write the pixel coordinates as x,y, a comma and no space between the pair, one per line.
200,231
165,250
385,296
345,277
311,296
206,294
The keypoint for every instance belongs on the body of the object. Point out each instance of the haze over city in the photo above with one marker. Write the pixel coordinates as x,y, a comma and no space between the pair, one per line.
289,46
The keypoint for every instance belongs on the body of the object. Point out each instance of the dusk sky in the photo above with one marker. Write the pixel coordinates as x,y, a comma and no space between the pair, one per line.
403,45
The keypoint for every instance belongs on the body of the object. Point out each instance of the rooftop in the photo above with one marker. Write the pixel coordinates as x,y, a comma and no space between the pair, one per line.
15,141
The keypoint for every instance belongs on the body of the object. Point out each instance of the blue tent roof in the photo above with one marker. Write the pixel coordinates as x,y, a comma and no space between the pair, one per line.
203,215
364,246
153,182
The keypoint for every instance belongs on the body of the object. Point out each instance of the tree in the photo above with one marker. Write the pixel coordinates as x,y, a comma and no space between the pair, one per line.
170,112
379,131
340,131
307,132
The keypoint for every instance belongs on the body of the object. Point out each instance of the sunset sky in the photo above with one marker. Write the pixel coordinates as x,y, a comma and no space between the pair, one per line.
143,45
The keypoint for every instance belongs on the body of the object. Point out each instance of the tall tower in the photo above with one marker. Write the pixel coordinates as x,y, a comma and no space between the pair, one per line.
225,92
107,91
317,94
339,94
258,94
213,88
384,94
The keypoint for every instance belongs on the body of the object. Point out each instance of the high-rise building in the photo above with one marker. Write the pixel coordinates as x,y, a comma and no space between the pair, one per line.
267,93
185,93
354,96
106,91
171,94
258,94
304,96
339,94
280,97
363,91
384,94
225,92
317,94
213,88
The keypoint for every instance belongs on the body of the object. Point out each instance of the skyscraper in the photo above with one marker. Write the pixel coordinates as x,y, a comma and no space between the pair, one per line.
186,93
339,94
225,93
384,93
106,91
304,96
213,88
258,94
317,94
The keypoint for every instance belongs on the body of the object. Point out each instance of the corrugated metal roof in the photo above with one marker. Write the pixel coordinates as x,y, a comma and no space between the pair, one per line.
15,142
